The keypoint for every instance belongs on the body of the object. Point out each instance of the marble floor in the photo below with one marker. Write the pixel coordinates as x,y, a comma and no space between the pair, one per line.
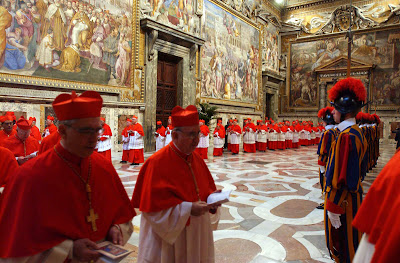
271,216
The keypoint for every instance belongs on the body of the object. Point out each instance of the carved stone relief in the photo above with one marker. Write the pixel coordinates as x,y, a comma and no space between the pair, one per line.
362,17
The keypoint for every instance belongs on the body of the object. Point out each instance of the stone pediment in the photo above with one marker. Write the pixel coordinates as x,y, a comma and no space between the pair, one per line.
340,64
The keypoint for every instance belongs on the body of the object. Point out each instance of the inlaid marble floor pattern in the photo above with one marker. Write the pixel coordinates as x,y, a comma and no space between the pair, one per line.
271,216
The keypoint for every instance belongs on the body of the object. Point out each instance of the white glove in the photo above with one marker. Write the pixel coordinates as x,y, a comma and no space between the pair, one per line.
335,219
322,168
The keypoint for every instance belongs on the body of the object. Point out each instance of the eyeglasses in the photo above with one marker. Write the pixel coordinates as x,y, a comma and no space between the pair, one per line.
87,131
192,135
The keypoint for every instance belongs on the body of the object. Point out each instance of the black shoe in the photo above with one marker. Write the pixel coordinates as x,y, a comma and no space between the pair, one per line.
321,206
123,162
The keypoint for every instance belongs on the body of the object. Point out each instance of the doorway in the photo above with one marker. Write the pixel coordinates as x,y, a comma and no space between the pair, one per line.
268,105
167,86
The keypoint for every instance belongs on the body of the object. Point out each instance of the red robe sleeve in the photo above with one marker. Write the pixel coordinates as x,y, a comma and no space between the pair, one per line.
17,147
160,185
49,142
204,130
54,205
138,127
221,131
107,131
52,128
35,133
161,131
8,165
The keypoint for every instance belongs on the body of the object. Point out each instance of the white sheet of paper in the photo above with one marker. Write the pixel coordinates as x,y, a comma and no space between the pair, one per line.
219,198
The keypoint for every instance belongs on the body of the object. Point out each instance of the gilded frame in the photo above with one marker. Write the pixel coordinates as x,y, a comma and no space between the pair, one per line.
372,88
126,94
257,27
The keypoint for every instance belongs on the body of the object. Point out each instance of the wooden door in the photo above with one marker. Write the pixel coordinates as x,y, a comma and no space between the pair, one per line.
166,89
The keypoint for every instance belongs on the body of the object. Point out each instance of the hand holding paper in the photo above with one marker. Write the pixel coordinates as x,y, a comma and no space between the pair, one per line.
218,198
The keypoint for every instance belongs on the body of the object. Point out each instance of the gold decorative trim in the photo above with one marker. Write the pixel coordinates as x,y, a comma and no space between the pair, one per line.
258,28
235,13
69,84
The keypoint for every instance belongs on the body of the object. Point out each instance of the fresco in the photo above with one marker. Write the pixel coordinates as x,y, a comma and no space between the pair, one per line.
178,13
84,41
270,57
379,48
230,57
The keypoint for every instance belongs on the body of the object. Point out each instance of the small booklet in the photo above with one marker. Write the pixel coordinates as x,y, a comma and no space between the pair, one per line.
113,251
219,198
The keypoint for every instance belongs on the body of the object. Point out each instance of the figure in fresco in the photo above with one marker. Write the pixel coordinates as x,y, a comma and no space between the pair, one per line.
79,31
5,22
24,19
122,64
96,48
55,19
326,55
45,54
364,49
217,68
110,50
14,57
70,60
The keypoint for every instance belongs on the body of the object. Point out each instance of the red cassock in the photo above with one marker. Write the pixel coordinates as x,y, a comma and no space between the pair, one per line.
229,144
161,131
106,132
160,185
49,142
289,143
136,155
19,148
308,141
249,147
221,134
203,152
273,144
125,153
316,140
235,146
4,135
257,144
54,205
8,165
379,214
35,133
170,128
262,146
52,128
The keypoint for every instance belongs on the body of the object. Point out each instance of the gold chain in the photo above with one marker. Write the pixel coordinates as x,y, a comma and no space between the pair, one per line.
92,215
191,170
87,185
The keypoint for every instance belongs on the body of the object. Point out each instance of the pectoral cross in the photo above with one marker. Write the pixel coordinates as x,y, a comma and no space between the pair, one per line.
91,218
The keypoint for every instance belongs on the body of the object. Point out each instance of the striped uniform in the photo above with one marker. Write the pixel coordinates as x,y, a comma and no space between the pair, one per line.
324,148
344,192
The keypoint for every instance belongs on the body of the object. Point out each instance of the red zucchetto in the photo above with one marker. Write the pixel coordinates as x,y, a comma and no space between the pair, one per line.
159,122
71,106
50,118
185,117
24,124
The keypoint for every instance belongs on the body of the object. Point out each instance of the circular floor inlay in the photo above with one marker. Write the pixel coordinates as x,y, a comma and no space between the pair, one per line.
230,250
294,208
